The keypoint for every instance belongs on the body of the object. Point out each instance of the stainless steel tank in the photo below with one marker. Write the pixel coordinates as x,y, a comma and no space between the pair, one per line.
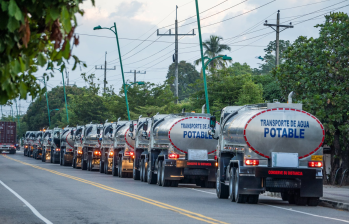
273,128
93,133
122,137
66,138
184,132
141,140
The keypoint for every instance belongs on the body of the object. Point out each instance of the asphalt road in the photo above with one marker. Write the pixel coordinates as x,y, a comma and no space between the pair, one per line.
59,194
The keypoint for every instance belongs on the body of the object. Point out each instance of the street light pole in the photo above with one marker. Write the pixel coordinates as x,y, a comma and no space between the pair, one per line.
202,56
48,109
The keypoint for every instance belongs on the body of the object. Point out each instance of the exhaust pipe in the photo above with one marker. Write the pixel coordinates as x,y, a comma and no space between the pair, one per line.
203,109
290,97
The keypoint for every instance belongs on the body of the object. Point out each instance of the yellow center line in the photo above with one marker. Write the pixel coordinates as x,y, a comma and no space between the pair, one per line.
181,211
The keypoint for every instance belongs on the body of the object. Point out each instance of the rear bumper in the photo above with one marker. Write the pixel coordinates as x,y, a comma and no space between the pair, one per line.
7,149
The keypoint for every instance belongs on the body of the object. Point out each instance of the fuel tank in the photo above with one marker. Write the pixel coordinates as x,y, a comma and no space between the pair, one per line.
66,138
273,128
57,137
186,131
122,135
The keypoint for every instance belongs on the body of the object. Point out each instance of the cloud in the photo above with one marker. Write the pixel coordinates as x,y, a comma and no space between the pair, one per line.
128,9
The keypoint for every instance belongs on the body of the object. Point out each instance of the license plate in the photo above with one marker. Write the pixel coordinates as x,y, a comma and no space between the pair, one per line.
197,154
316,157
281,159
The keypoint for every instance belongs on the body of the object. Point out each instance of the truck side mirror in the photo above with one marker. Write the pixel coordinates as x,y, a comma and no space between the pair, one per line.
145,126
110,131
98,131
23,135
131,127
72,132
213,122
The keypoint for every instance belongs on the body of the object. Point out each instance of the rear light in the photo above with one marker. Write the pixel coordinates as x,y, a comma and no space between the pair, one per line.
58,149
315,164
216,164
252,162
215,157
131,153
97,153
173,156
26,146
79,152
111,153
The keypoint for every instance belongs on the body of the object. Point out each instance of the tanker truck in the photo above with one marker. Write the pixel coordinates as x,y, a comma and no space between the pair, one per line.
78,137
37,149
56,146
106,145
91,151
181,151
26,143
46,146
67,147
31,143
141,148
274,147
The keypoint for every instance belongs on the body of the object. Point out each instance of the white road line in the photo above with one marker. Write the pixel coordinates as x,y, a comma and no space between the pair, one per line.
27,204
292,210
201,191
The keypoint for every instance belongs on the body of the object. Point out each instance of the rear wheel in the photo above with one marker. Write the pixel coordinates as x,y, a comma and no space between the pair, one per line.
89,162
164,182
74,163
43,156
83,163
313,201
141,170
239,198
145,170
151,177
136,173
253,198
101,165
114,171
106,171
291,199
284,196
300,200
158,182
231,185
221,189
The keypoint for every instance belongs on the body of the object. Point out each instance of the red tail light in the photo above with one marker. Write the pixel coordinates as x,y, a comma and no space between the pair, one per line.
97,153
58,149
252,162
215,157
173,156
132,153
315,164
111,153
79,152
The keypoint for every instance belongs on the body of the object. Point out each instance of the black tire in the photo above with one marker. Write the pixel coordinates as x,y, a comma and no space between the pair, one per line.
120,168
63,160
151,177
222,190
51,157
114,171
106,171
141,170
284,196
101,165
158,179
253,199
83,164
43,157
89,162
239,198
164,182
136,173
313,201
231,185
174,183
145,171
301,200
74,162
60,158
291,199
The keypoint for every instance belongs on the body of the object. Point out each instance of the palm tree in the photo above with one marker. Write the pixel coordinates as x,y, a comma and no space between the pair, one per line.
212,49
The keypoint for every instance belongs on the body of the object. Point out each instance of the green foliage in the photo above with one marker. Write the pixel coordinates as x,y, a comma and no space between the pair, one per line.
317,70
34,33
187,74
271,87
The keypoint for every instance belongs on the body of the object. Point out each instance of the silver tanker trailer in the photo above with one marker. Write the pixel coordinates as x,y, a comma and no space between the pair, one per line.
141,147
67,147
91,151
181,151
56,145
26,142
78,137
31,141
38,144
274,147
46,146
107,144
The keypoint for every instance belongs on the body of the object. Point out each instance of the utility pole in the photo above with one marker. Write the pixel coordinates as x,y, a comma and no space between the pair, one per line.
277,25
176,50
67,76
105,71
135,74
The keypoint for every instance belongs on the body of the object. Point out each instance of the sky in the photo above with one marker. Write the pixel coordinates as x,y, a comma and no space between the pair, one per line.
238,22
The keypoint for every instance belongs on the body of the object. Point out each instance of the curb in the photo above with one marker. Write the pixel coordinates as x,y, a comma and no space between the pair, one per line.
334,204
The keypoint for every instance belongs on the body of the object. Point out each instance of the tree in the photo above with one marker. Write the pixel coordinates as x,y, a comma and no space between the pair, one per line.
187,74
34,33
271,87
269,57
213,48
317,70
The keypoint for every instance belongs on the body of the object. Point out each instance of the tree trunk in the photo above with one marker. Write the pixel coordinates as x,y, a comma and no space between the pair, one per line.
335,155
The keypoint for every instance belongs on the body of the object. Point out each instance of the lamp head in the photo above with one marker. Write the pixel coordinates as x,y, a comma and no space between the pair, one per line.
225,57
97,28
140,83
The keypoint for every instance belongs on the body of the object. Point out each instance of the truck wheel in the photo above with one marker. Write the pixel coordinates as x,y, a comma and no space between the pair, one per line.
136,173
291,199
89,162
43,157
63,160
253,199
106,168
158,179
120,168
239,198
51,157
114,172
174,183
231,185
83,164
151,177
313,201
221,189
141,170
101,166
164,182
300,200
284,196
